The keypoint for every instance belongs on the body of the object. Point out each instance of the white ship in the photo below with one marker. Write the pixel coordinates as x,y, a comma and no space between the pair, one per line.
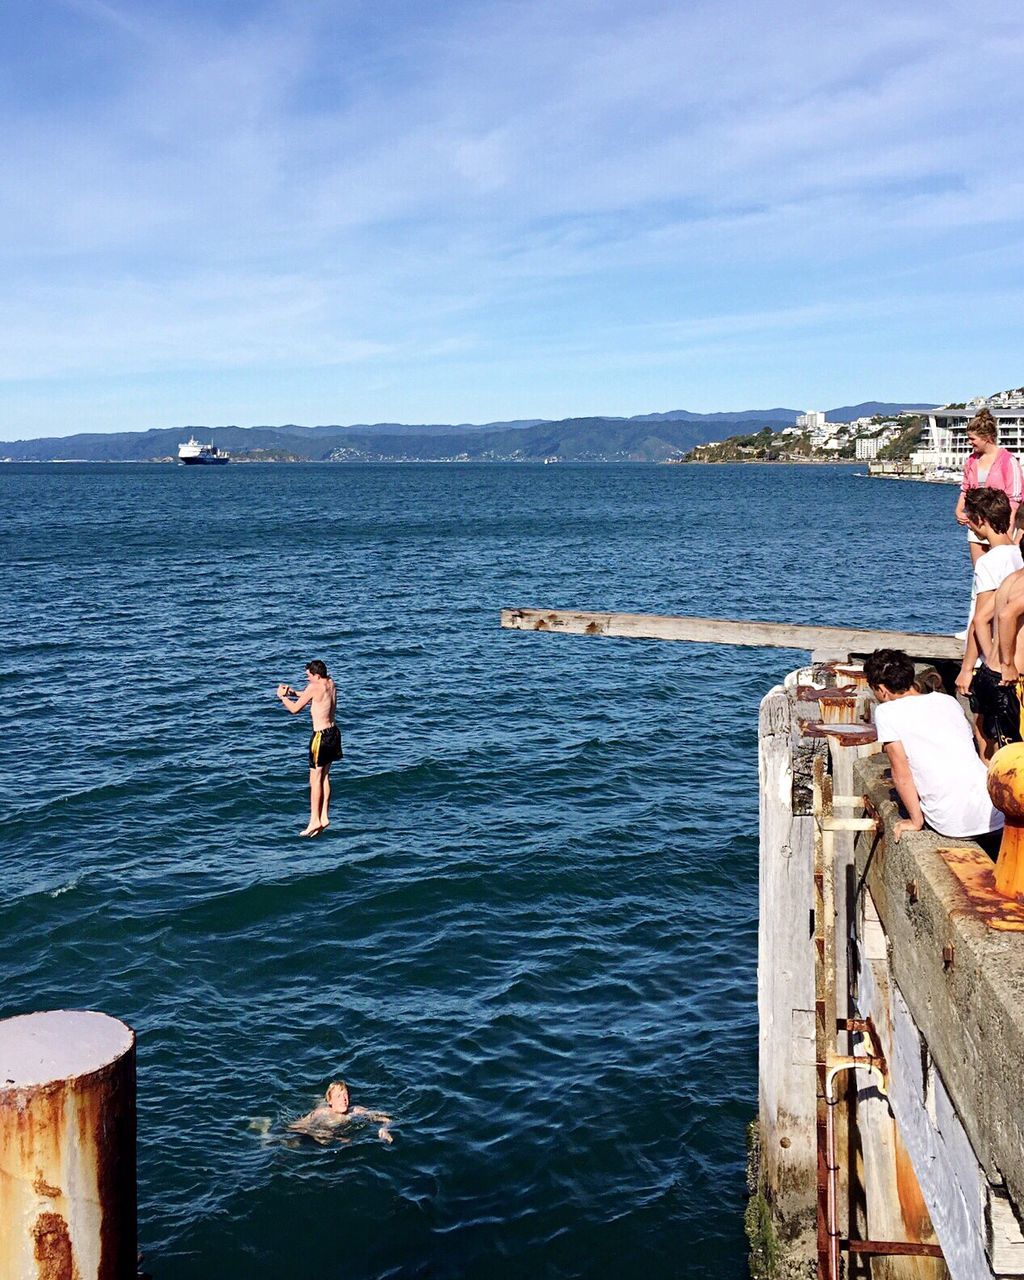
193,453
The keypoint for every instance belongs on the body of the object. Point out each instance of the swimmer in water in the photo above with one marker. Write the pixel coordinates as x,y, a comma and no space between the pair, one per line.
321,696
327,1121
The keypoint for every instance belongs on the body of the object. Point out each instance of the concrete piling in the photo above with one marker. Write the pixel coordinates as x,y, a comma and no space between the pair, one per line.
67,1147
1006,787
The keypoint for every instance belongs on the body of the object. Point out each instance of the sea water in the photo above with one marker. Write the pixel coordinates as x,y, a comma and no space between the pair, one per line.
530,933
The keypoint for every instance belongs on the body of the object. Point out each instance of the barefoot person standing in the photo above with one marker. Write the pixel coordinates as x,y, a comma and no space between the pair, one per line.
321,696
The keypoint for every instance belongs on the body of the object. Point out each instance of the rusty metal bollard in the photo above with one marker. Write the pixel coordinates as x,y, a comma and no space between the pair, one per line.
1006,787
67,1147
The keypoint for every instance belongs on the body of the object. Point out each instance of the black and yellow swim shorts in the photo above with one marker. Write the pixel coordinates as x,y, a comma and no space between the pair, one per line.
324,747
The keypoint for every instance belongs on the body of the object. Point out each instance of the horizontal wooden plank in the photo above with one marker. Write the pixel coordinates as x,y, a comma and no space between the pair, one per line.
837,641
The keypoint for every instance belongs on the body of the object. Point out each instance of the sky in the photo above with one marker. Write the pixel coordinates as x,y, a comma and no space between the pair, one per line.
307,211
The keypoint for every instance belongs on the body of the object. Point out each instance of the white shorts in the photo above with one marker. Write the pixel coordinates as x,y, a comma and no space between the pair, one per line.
973,537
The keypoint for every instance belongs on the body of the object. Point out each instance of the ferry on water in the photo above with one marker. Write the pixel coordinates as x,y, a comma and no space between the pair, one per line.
193,453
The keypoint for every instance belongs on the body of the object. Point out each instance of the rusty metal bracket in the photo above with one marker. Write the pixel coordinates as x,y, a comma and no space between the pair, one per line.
893,1248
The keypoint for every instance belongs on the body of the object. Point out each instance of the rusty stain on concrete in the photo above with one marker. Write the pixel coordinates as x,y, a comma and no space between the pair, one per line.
913,1209
916,1218
42,1188
982,901
106,1122
54,1259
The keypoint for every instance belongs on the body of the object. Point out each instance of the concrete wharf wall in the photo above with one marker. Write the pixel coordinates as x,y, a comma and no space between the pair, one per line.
935,1156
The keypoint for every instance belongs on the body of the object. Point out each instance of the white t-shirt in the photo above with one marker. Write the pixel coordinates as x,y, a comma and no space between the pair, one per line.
991,570
949,774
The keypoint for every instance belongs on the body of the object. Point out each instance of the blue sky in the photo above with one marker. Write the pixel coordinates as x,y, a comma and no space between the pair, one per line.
357,212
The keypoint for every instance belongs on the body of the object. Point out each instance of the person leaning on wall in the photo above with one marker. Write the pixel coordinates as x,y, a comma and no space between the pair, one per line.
987,466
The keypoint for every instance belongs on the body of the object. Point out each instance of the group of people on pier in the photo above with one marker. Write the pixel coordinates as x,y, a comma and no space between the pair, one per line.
939,758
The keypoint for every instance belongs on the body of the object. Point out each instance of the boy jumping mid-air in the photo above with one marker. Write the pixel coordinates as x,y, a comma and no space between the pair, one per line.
321,696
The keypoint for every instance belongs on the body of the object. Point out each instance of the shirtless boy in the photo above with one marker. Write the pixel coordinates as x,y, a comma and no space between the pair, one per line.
334,1114
321,696
1010,615
988,515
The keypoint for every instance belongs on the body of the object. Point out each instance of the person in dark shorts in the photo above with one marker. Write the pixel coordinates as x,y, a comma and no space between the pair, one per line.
321,696
981,674
996,705
324,747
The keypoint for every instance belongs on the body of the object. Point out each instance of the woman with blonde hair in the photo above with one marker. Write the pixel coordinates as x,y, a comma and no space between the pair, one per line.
987,466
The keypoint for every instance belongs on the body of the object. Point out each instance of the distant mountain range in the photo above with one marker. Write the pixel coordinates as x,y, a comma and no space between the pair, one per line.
874,409
651,437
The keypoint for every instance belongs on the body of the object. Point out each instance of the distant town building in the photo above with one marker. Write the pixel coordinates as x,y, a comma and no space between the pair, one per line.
878,436
812,420
947,446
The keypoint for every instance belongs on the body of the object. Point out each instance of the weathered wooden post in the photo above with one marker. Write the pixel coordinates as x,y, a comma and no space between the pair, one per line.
67,1147
785,984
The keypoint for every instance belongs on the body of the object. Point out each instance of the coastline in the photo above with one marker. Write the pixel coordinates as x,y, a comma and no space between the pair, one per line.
763,462
520,462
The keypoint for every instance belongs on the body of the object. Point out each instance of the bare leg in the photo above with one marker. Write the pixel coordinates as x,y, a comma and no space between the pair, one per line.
979,737
986,749
325,805
316,788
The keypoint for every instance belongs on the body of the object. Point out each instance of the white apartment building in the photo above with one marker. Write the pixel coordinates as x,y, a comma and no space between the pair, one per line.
947,446
813,420
867,446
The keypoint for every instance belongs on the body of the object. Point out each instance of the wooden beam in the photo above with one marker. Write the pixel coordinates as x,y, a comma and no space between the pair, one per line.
835,641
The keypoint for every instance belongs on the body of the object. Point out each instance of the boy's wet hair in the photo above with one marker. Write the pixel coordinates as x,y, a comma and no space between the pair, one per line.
984,425
317,668
989,505
889,667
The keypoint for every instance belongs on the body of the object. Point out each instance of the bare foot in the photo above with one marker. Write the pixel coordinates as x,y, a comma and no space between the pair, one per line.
311,830
324,824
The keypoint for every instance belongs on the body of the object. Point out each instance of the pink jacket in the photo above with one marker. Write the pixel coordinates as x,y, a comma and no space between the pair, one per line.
1004,474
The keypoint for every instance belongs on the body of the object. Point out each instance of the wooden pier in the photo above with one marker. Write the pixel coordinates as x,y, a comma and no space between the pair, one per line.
820,642
891,1121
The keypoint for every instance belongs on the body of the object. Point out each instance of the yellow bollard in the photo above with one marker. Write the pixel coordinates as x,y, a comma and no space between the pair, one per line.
67,1147
1006,787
